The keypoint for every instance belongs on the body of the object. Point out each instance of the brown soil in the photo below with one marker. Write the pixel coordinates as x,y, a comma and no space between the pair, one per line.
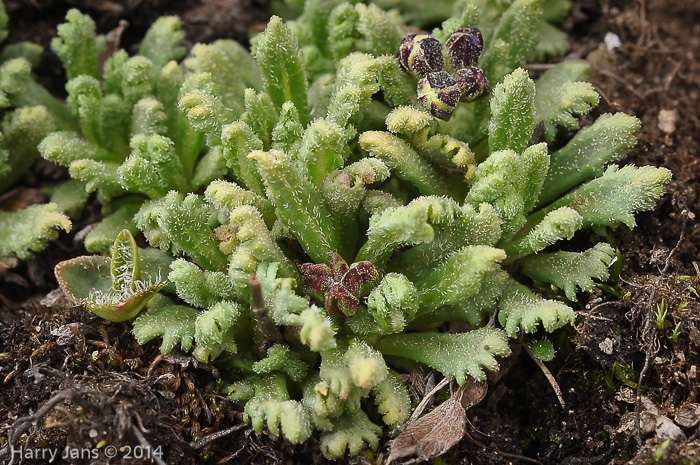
130,395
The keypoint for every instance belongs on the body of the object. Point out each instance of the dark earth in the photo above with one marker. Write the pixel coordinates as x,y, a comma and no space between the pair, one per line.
86,380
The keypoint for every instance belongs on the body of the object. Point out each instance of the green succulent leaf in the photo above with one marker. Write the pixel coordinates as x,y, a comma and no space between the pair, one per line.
101,237
163,42
297,204
77,45
614,197
277,53
182,223
521,308
392,400
22,130
214,330
352,433
174,323
544,350
458,278
512,40
200,288
271,406
561,95
401,158
114,288
587,154
454,355
28,230
125,267
571,270
281,358
354,85
559,224
512,113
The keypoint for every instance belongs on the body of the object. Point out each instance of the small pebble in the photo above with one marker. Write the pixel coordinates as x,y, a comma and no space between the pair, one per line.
612,41
667,121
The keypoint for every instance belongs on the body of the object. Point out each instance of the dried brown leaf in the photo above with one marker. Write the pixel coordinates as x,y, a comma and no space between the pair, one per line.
437,431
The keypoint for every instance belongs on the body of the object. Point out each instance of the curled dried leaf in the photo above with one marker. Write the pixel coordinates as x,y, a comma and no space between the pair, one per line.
436,432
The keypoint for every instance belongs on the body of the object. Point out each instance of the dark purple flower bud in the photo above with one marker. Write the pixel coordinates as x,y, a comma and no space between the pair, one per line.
420,54
341,302
339,287
338,267
472,83
464,48
439,94
316,279
362,278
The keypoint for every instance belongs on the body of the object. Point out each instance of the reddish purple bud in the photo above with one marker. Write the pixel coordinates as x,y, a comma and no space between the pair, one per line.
340,301
316,279
338,267
337,287
472,83
420,54
439,94
362,278
464,48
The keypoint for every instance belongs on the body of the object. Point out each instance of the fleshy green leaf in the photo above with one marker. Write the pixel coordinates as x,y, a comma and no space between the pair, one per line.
510,183
297,204
163,42
512,113
561,95
454,355
571,270
392,400
399,226
184,223
354,85
198,287
521,308
22,130
281,358
463,226
543,349
559,224
29,230
112,288
402,159
458,278
101,237
175,323
587,154
270,405
277,53
512,40
71,197
77,46
351,432
214,330
615,197
125,267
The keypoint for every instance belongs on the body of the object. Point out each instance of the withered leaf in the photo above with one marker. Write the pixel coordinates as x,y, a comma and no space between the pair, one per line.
436,432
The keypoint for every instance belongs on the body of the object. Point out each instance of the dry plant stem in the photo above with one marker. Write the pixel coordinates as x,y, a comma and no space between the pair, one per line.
21,425
209,438
548,374
267,326
650,317
142,440
423,403
499,452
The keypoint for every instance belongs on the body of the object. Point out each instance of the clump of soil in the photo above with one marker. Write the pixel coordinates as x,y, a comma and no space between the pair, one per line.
107,388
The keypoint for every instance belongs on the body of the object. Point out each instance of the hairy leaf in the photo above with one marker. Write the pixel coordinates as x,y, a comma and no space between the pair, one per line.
570,270
454,355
